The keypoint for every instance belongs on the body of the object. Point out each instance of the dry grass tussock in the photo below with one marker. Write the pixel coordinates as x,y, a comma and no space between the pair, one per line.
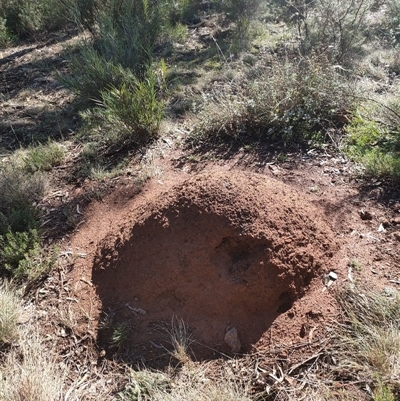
29,371
10,310
370,336
193,382
279,99
180,337
32,371
18,189
33,368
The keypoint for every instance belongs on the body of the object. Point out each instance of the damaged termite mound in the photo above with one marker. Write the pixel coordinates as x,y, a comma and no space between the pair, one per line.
226,252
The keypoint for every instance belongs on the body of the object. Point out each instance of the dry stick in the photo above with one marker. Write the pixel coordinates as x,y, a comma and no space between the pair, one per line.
222,54
291,347
298,365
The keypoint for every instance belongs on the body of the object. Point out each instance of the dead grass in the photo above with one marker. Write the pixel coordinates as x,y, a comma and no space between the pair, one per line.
33,368
280,99
17,189
180,338
29,371
193,382
10,310
369,338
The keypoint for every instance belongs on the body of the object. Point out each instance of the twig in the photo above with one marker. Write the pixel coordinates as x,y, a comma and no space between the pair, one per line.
298,365
222,54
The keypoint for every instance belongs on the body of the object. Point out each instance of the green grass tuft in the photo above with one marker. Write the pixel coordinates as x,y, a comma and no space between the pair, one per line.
376,146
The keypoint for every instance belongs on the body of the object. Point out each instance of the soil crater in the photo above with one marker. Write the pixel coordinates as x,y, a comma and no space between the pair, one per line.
219,250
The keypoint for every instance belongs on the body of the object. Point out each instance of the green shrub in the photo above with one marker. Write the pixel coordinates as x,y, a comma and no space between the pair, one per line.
289,101
136,107
129,115
26,17
121,333
37,263
181,11
6,39
336,28
16,247
241,12
83,12
175,33
375,145
22,256
92,74
390,24
123,45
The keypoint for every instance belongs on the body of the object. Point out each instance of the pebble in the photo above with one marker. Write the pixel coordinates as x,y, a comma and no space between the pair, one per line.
365,215
232,339
396,221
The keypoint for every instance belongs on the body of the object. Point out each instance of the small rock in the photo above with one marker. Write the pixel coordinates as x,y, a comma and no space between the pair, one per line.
396,221
330,278
274,170
365,215
333,276
232,339
381,228
396,235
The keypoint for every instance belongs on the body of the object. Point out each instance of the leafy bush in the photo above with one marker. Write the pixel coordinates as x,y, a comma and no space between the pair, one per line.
6,39
36,264
123,45
135,106
92,74
22,256
25,17
19,218
241,12
115,73
129,114
16,247
181,11
376,146
390,25
290,100
334,28
83,12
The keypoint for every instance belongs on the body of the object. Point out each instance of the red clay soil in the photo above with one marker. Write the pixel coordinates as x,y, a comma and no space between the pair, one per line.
228,248
220,250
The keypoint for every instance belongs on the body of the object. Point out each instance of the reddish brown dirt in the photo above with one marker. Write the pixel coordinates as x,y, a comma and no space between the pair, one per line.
220,249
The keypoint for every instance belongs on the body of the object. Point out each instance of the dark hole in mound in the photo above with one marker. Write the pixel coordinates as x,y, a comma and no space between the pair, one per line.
196,266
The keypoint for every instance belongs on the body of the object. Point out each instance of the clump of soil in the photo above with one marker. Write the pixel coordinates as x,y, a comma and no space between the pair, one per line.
222,250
